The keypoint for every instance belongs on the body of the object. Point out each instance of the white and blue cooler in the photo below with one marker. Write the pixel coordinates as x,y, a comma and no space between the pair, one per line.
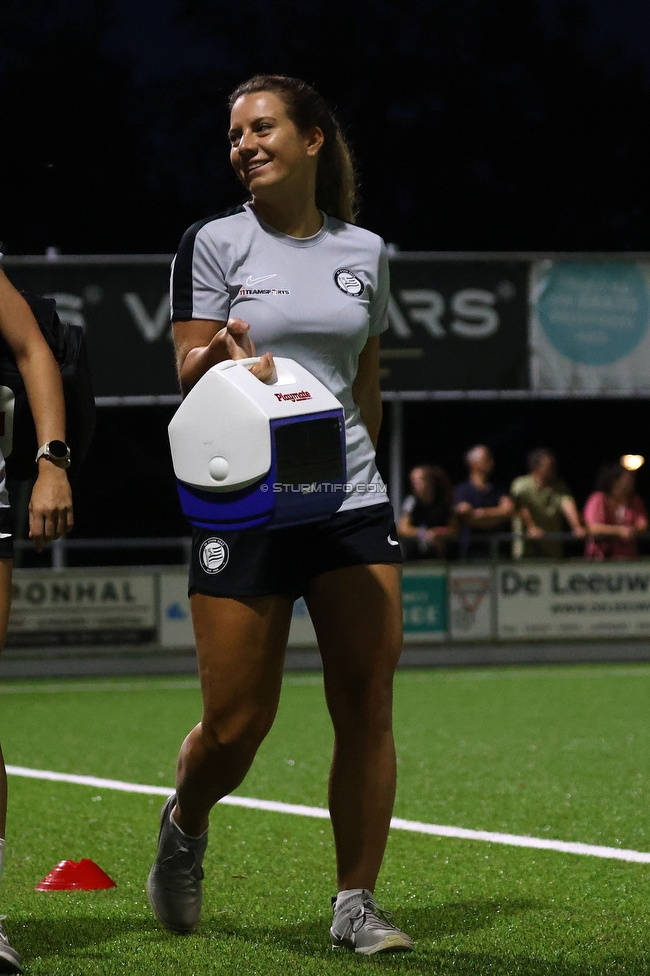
248,453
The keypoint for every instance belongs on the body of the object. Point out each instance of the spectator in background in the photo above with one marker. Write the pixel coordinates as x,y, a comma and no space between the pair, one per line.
428,518
482,506
543,502
614,513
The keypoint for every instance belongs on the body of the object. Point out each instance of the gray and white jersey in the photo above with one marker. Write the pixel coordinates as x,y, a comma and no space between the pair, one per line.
315,299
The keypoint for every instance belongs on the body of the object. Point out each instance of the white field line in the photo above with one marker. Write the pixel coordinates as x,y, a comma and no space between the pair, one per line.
397,823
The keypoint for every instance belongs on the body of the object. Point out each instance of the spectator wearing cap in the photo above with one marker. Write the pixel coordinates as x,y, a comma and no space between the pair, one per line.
483,506
428,520
615,514
543,502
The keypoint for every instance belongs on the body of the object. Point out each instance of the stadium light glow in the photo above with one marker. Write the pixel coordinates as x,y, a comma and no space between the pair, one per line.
632,462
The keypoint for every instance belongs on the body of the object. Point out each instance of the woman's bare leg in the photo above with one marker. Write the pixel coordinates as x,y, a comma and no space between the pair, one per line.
240,646
357,614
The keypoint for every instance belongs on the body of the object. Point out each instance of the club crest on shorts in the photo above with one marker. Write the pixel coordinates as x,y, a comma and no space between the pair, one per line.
349,283
213,555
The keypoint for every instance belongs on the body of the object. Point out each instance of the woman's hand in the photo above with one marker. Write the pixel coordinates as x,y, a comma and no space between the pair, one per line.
265,369
200,345
233,341
50,507
240,346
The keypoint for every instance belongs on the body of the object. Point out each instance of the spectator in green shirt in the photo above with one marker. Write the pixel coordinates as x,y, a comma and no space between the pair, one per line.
543,502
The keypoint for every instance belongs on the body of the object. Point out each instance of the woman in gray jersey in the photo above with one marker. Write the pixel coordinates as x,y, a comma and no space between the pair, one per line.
290,275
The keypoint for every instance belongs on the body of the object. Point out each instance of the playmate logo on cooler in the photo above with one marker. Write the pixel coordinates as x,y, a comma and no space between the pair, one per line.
303,395
213,556
348,282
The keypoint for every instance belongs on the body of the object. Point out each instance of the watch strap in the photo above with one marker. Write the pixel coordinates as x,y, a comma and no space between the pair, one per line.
60,461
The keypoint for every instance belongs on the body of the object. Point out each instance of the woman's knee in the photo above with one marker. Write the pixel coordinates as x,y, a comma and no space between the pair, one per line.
364,702
238,733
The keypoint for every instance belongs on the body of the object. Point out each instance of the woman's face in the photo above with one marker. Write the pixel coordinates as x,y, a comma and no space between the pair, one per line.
266,149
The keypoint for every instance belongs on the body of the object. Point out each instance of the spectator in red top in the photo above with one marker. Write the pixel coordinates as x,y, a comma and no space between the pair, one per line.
615,514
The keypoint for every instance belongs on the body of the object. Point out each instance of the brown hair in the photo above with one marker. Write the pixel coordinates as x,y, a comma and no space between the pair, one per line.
608,476
442,486
336,184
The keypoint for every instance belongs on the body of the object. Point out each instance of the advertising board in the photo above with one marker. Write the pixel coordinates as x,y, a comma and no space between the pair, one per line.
456,325
573,600
89,607
424,595
453,325
590,326
124,308
471,602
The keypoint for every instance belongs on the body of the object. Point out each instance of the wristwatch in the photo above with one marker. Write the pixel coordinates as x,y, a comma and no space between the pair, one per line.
57,452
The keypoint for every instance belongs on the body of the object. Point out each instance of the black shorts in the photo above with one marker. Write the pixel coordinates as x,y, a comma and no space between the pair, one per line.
260,562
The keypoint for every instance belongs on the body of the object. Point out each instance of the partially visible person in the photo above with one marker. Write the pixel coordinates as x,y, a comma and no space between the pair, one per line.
483,506
428,520
50,507
543,502
614,515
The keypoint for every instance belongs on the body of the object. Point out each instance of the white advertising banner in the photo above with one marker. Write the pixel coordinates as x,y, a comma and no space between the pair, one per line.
175,617
590,326
471,602
573,600
91,607
176,620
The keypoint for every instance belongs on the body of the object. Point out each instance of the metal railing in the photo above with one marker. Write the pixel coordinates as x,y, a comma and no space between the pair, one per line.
59,550
493,542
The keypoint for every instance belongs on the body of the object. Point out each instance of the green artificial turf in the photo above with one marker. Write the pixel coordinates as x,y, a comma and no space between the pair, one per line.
551,752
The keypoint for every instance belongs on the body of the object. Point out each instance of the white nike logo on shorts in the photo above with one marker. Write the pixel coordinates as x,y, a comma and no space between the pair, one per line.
255,281
392,541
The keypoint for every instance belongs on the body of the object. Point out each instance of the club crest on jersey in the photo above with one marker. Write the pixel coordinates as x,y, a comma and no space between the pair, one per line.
213,556
349,283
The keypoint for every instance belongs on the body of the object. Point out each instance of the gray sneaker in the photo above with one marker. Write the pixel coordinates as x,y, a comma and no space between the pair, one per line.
10,961
174,882
361,925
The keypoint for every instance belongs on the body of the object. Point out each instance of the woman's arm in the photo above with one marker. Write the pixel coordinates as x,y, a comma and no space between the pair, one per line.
50,508
602,528
406,528
365,389
201,344
595,513
448,531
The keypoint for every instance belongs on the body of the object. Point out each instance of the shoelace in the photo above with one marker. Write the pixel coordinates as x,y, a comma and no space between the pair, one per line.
371,911
3,935
178,861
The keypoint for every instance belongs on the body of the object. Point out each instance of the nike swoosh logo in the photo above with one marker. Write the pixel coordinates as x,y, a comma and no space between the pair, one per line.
255,281
392,541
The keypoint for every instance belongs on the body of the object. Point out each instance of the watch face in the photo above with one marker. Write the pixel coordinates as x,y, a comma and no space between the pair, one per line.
58,449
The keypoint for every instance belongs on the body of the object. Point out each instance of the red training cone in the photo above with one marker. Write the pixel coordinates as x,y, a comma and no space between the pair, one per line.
83,875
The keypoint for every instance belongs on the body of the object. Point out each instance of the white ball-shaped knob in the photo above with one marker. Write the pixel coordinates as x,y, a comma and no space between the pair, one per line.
218,468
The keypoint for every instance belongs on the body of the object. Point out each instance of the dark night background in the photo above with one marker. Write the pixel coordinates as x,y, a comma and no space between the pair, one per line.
477,125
